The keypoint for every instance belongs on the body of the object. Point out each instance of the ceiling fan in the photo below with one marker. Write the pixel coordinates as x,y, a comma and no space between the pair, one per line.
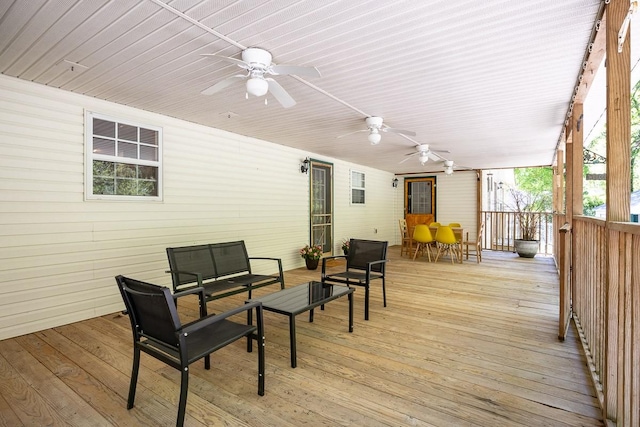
424,153
257,63
374,127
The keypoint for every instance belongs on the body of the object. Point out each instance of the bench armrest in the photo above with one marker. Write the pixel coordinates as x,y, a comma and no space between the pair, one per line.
213,318
198,277
280,272
201,298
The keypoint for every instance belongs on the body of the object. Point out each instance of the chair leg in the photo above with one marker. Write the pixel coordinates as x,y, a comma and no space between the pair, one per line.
438,254
184,388
366,302
134,377
260,351
384,293
417,249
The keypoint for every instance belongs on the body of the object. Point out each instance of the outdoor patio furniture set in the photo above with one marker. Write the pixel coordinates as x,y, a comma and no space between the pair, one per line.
214,271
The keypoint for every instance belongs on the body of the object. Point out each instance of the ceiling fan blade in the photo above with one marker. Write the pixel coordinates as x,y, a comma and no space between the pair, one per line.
404,132
280,94
402,161
433,156
222,84
409,156
238,62
351,133
295,69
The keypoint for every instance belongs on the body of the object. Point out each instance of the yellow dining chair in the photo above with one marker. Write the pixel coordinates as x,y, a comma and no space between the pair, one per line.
458,234
434,224
422,235
407,241
447,242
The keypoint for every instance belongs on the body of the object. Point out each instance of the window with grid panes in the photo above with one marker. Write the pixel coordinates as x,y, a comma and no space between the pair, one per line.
357,188
123,159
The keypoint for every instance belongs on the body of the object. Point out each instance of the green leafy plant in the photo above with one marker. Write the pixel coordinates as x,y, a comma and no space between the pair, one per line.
311,252
345,245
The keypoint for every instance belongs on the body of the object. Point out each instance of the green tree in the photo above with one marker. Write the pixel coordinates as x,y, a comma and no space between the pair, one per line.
537,183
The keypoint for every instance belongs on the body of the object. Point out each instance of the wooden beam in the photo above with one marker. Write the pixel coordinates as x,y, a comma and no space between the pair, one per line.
596,56
618,200
558,188
577,162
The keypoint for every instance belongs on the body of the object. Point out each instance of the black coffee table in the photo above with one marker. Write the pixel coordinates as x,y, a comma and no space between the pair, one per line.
298,299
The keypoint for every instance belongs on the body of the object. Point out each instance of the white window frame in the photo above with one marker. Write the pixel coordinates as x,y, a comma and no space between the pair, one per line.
90,156
357,185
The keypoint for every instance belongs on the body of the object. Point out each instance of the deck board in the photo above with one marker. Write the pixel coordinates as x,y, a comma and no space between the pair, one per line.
458,345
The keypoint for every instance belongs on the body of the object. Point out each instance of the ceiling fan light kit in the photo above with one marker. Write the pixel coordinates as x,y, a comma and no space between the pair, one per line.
374,137
257,63
257,86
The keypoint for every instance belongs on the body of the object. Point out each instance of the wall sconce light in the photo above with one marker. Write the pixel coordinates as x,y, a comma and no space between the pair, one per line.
394,183
304,167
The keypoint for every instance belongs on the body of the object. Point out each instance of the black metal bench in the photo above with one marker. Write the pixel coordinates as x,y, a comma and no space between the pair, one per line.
222,269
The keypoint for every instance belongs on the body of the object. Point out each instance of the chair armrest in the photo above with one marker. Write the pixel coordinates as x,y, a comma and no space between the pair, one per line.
213,318
372,263
324,260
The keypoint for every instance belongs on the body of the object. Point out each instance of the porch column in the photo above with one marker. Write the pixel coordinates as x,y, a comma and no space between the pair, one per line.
558,184
568,191
577,158
618,194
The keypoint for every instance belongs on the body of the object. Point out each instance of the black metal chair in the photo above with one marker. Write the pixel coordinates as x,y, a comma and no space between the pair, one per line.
157,331
366,261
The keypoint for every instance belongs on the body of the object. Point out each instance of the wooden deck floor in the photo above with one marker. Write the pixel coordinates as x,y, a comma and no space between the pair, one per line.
458,345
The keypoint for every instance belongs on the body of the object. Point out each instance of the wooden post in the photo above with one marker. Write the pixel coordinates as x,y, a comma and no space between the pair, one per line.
618,197
577,158
568,193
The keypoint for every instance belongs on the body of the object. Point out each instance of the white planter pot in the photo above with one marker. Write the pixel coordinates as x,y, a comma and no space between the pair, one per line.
526,248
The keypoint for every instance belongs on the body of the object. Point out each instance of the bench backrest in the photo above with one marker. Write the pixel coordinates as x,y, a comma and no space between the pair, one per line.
230,258
196,259
211,261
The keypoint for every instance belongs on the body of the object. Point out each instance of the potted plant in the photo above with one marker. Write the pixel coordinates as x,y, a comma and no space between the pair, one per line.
527,207
311,255
345,246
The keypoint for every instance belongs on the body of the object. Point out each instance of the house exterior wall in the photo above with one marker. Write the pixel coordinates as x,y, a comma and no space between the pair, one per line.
59,253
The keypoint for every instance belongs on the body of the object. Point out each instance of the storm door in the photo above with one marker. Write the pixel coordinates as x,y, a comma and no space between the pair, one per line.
321,209
419,201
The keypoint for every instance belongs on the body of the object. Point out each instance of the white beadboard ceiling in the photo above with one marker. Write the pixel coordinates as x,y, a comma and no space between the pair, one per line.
489,81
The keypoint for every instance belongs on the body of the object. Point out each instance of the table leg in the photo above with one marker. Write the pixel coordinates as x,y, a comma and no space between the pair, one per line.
350,296
311,316
292,339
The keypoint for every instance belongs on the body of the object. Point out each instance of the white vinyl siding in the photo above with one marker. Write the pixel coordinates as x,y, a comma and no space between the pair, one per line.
59,253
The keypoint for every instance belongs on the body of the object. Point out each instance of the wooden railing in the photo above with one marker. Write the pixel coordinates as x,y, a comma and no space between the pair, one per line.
501,230
605,306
